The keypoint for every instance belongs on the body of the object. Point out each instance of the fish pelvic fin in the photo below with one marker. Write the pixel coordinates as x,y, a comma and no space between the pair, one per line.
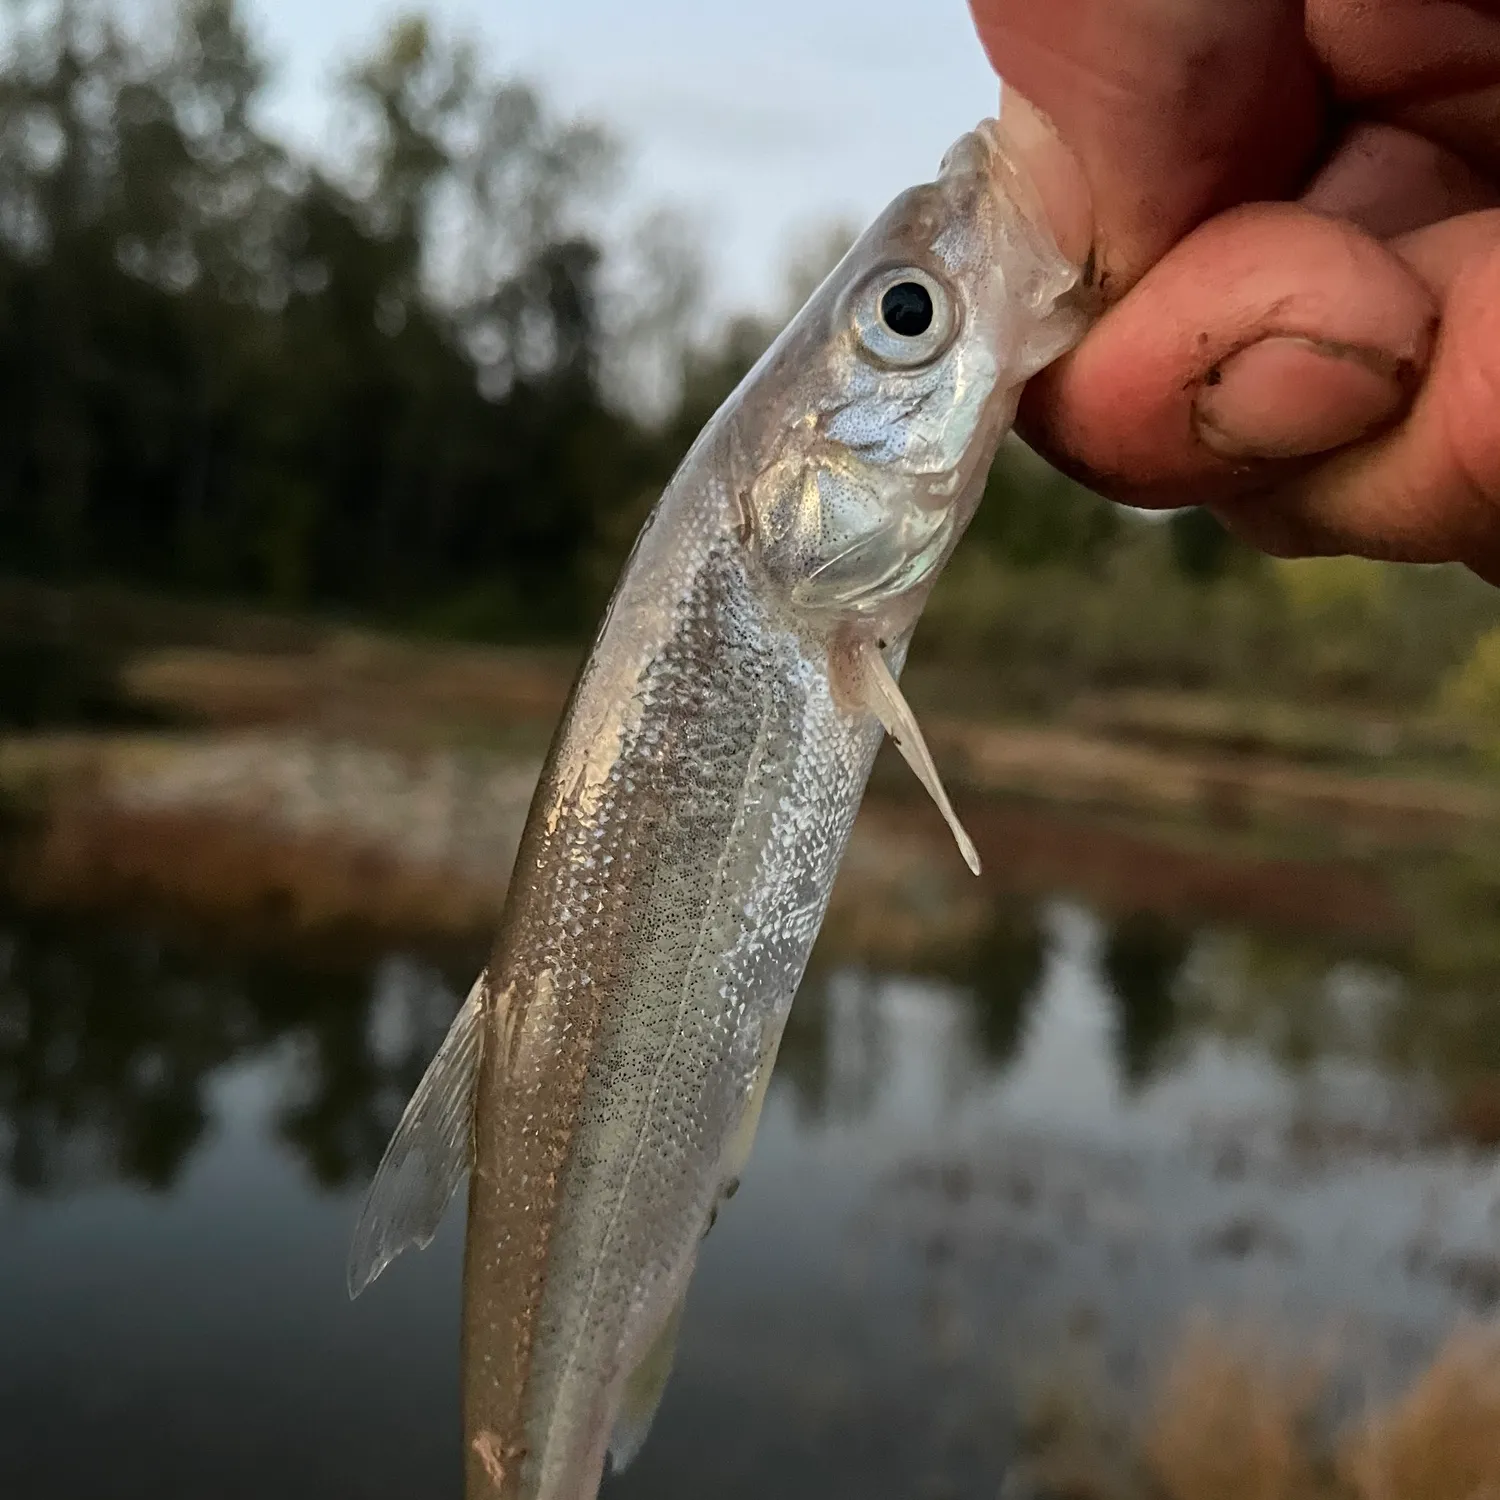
643,1391
429,1154
866,682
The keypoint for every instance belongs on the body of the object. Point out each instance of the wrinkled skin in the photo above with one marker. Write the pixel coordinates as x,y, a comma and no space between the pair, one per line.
1324,176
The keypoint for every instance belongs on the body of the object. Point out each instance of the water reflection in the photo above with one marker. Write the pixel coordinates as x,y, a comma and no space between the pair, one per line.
1003,975
954,1159
1142,958
109,1037
802,1063
997,975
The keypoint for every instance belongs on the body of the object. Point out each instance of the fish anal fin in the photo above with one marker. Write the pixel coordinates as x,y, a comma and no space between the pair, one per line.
864,680
643,1390
429,1153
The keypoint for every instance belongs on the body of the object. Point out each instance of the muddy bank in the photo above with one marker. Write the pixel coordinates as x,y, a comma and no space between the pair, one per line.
279,836
301,834
1227,766
1166,755
1064,765
325,779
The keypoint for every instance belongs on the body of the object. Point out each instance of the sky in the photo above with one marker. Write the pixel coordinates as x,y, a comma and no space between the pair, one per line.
759,121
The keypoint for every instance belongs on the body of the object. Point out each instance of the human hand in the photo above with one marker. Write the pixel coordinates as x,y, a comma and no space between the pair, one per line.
1297,231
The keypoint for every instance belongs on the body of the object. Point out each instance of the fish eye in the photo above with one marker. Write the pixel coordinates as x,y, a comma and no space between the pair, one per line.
906,309
904,317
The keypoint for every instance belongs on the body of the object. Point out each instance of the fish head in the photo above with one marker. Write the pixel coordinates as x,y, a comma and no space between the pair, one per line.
866,431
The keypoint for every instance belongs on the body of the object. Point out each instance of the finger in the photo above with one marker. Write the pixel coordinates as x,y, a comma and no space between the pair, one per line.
1269,335
1429,490
1440,253
1391,181
1175,108
1430,66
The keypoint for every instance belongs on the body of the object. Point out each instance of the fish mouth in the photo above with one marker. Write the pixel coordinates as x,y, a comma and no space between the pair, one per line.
1020,158
975,153
986,161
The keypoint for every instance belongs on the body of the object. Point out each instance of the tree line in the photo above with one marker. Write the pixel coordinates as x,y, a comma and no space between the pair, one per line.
395,381
223,369
381,384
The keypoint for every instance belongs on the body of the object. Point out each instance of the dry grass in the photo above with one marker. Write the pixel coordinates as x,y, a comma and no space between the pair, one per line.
1233,1421
1257,726
1230,1424
1441,1440
1087,771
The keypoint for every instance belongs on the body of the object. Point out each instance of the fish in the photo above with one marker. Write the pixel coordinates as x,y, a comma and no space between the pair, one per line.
602,1082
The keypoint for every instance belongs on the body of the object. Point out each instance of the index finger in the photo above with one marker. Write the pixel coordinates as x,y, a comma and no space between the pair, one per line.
1175,108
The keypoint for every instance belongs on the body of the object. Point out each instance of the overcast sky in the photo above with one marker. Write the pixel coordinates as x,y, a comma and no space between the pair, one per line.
759,119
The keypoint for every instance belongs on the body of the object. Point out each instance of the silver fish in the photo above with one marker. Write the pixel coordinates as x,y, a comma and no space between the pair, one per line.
604,1078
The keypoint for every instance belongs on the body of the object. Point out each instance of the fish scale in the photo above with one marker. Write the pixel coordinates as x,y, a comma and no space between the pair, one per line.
604,1079
722,935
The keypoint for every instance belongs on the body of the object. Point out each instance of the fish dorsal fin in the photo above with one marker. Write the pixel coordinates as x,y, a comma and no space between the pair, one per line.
643,1391
875,689
428,1155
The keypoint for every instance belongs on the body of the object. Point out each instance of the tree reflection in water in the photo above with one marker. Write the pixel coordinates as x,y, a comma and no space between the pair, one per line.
1004,977
835,1052
1141,958
357,1066
109,1038
802,1068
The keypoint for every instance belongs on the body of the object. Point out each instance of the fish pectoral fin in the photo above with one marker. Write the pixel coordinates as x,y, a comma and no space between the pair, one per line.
428,1155
643,1391
877,690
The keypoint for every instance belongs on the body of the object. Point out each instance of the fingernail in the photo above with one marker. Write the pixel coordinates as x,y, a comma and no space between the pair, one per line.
1055,173
1291,397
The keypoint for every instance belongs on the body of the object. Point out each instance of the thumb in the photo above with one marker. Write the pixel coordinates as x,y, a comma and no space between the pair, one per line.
1269,335
1429,489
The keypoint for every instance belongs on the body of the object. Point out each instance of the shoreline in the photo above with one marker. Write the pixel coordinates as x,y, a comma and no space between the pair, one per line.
289,834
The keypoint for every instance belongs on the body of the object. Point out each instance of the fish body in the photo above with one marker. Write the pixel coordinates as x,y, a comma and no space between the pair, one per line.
603,1080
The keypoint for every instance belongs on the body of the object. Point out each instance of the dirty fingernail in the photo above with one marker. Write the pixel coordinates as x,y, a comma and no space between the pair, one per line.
1291,397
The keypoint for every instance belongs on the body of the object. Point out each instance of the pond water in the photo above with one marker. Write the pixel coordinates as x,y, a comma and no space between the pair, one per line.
961,1185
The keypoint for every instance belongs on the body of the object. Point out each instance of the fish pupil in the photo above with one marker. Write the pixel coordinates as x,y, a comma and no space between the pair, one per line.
907,309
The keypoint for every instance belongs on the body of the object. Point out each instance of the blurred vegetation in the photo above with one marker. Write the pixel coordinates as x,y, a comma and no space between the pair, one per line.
416,382
1059,594
226,370
1470,692
144,1021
